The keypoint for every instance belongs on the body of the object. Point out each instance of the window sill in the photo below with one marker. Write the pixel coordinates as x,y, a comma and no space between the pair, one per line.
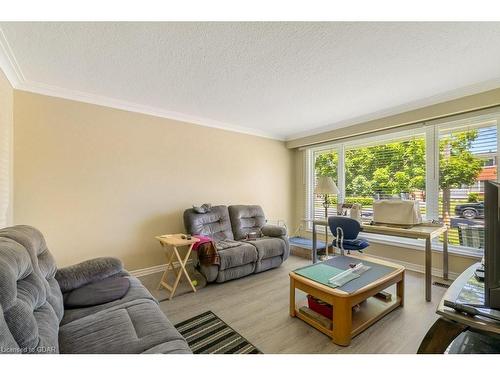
418,245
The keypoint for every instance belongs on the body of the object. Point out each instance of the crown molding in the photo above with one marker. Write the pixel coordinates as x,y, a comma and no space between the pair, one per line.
407,107
79,96
8,63
13,72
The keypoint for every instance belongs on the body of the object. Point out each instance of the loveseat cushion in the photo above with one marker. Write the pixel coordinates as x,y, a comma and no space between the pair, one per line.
268,247
214,224
268,263
235,272
134,327
273,230
246,219
136,291
237,256
97,293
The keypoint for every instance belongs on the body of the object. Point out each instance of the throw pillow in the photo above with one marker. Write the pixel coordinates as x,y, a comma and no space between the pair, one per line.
203,209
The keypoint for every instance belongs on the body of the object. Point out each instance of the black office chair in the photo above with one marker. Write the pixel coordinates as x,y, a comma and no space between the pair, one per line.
345,231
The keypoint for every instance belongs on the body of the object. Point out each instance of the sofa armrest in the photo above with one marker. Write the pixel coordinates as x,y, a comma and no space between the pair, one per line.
278,232
83,273
273,231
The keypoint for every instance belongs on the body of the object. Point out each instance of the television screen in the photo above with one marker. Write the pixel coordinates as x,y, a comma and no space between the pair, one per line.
492,245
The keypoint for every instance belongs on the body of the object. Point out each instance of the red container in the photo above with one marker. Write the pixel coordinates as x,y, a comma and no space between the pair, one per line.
319,306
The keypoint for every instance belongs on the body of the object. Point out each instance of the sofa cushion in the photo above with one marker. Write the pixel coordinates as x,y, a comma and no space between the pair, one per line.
214,224
30,299
273,230
135,291
235,272
97,293
268,263
133,327
268,247
237,256
246,219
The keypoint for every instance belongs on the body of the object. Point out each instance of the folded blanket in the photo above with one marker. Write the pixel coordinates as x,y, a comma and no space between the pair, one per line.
226,244
208,255
202,240
207,252
208,249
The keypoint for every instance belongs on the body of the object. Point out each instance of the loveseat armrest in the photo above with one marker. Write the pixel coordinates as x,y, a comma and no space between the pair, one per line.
277,231
273,230
78,275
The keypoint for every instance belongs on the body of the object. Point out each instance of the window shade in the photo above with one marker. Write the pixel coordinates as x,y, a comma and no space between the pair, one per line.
325,163
468,157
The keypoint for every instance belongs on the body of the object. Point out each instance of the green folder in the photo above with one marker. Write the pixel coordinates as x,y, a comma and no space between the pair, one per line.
319,272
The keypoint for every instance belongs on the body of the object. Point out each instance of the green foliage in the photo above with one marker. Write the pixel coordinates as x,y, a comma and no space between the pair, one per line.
326,164
390,168
361,186
473,197
364,201
457,165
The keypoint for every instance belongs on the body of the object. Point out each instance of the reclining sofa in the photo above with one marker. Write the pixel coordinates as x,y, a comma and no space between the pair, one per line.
34,298
267,251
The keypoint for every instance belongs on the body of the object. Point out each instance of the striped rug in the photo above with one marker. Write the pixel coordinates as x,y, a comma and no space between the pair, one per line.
208,334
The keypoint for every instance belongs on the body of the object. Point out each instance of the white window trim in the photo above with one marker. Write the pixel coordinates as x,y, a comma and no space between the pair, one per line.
419,245
431,130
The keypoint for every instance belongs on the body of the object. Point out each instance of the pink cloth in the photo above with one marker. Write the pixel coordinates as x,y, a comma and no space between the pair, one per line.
207,252
202,240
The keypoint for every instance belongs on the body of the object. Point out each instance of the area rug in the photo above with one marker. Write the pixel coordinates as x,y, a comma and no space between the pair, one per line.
208,334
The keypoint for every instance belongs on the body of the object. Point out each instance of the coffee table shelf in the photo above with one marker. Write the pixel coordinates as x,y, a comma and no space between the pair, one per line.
375,309
371,310
346,324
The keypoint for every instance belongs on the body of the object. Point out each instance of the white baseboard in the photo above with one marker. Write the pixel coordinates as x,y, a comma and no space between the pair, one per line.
438,272
154,269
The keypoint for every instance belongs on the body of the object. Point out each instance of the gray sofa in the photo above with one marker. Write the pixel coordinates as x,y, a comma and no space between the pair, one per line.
34,318
234,223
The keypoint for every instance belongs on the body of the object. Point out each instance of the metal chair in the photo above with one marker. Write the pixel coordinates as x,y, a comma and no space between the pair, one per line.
345,231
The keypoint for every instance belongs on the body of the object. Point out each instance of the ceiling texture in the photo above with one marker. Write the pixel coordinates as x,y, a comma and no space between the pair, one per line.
278,80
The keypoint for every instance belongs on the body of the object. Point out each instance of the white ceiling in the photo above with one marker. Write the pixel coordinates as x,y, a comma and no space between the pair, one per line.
281,80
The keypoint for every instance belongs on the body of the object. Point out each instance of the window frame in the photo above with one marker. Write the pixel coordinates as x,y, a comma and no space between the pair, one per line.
430,130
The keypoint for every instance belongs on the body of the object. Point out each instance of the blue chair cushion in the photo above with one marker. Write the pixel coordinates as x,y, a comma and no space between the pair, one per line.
349,226
357,244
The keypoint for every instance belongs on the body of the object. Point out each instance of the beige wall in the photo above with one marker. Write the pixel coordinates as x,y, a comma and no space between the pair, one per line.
457,264
6,126
102,182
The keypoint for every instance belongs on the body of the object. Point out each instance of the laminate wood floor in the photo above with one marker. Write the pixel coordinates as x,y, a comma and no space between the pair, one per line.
257,307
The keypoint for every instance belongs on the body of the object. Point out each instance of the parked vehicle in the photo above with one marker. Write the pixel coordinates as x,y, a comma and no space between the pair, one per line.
470,210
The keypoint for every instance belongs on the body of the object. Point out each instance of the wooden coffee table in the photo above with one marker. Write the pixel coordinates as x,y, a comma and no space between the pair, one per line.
345,323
